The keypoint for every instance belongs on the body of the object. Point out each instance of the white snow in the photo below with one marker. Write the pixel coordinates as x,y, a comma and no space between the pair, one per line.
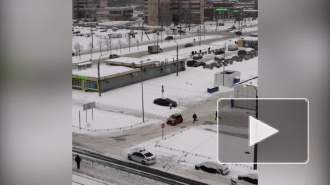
105,70
104,120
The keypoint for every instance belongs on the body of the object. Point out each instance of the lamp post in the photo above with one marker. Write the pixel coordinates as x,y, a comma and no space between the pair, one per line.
224,58
177,58
142,91
98,73
157,42
255,153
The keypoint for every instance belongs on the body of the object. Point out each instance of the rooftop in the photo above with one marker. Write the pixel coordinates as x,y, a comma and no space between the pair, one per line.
105,71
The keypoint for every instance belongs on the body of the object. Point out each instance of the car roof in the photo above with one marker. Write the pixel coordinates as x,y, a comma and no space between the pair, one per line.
213,164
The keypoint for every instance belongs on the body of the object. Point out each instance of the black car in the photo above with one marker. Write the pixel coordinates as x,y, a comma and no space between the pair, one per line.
169,38
165,102
181,31
241,53
190,63
197,64
219,52
188,45
113,56
221,24
254,47
197,57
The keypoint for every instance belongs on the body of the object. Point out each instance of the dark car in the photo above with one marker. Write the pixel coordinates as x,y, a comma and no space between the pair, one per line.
165,102
188,45
241,53
169,38
104,30
219,52
212,167
197,57
181,31
190,63
113,56
197,64
221,24
175,119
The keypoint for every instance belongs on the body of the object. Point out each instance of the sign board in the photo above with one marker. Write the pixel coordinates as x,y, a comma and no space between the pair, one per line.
221,9
162,125
82,77
89,106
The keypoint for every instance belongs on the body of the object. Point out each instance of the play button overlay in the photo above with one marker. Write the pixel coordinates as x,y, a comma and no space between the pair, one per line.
259,130
268,130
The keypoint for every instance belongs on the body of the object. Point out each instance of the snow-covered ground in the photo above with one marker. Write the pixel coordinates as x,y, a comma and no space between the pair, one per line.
188,150
107,121
138,48
84,179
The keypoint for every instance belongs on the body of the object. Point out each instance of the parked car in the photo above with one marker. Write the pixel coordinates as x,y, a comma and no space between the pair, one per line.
169,38
144,157
104,30
165,102
197,56
181,31
221,24
190,63
219,57
241,53
113,56
197,64
254,47
79,34
76,32
174,119
115,29
188,45
213,167
248,179
230,29
219,52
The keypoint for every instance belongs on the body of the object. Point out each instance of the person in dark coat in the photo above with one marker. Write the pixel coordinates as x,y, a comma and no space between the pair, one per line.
195,118
216,115
78,160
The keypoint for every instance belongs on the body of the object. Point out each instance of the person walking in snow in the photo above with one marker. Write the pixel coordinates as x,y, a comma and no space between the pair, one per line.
78,160
195,118
216,114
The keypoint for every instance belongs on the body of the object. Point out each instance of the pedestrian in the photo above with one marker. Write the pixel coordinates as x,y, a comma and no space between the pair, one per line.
216,115
209,48
171,105
200,51
78,160
195,118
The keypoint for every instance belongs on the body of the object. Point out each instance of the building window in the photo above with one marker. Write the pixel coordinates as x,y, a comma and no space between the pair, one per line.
91,84
76,82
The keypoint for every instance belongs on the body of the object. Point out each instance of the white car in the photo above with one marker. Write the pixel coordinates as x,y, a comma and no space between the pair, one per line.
213,167
144,157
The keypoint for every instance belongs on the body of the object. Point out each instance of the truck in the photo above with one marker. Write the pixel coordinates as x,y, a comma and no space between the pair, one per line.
153,49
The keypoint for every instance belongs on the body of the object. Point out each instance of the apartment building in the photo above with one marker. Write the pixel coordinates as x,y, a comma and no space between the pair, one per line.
85,9
163,12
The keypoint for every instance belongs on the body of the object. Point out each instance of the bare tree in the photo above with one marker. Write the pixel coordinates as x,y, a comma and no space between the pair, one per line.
90,46
120,43
78,47
137,43
108,42
100,44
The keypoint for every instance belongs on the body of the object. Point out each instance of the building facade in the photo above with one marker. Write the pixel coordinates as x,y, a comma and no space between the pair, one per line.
114,13
85,9
163,12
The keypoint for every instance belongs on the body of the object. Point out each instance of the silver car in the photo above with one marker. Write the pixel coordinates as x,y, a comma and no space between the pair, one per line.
144,157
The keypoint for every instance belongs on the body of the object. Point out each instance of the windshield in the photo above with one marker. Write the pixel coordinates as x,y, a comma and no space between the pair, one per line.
148,154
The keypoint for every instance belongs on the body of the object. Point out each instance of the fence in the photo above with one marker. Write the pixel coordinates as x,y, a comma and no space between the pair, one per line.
111,129
118,173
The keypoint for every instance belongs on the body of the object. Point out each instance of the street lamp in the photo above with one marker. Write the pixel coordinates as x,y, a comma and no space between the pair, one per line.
98,73
141,71
255,157
224,58
157,42
177,58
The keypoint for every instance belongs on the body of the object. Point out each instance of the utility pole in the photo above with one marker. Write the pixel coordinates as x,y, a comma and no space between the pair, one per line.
141,71
92,37
177,58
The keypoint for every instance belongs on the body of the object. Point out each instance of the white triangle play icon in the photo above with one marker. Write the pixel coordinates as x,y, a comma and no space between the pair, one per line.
259,130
